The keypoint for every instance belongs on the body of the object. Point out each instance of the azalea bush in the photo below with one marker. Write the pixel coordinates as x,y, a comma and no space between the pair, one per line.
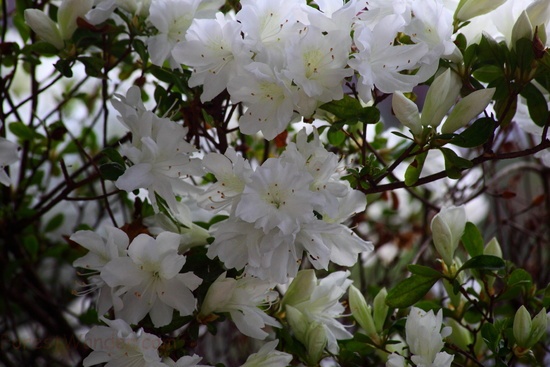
275,183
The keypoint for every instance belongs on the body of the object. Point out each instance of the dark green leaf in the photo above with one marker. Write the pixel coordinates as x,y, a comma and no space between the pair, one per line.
484,262
454,164
472,240
506,109
21,130
31,244
92,65
113,155
424,271
475,135
409,291
488,73
64,68
490,336
369,115
524,55
111,171
536,103
412,174
55,222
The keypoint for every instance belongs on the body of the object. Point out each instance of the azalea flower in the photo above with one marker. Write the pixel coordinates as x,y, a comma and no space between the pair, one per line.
267,96
118,345
379,63
149,280
309,300
241,298
424,336
215,50
101,251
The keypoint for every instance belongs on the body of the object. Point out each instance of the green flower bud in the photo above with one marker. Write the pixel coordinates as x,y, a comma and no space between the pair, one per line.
361,311
538,327
316,341
468,9
522,327
380,310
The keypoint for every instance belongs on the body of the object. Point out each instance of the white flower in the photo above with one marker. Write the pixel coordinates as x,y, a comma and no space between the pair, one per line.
215,50
278,196
379,62
267,96
267,356
8,155
104,9
118,345
101,251
241,298
396,360
149,280
447,228
317,63
425,338
232,173
159,154
171,18
309,300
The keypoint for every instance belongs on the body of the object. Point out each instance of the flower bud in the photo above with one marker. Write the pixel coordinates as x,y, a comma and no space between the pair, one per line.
316,341
440,97
447,228
297,322
44,27
468,9
69,11
406,111
460,336
301,288
538,327
380,309
361,311
522,327
522,29
492,248
468,108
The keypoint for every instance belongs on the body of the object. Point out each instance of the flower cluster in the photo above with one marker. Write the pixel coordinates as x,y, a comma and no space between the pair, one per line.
286,207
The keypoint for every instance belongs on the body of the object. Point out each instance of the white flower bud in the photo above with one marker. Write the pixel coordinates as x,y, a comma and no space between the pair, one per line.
522,327
44,27
447,228
468,9
68,12
406,111
361,311
468,108
440,97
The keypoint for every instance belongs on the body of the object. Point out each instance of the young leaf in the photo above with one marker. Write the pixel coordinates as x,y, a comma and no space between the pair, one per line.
424,271
472,240
412,174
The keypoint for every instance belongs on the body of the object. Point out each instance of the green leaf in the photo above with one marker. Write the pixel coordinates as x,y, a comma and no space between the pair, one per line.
488,73
483,262
336,137
472,240
369,115
21,130
412,174
506,109
536,104
520,277
30,242
113,155
524,54
454,164
92,65
55,222
490,336
475,135
409,291
346,108
111,171
424,271
64,68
